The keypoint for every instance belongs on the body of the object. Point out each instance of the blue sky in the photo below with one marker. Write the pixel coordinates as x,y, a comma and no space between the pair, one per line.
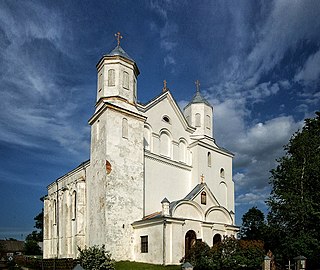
258,63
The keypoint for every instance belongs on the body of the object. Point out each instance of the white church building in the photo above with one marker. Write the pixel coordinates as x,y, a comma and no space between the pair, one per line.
155,183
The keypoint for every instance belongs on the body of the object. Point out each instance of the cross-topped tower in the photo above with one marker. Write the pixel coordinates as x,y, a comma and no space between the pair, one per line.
118,37
197,82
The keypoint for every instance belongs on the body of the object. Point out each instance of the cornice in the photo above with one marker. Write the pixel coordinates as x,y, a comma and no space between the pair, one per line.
166,160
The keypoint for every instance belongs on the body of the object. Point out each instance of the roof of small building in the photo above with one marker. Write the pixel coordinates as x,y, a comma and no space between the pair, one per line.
121,52
12,245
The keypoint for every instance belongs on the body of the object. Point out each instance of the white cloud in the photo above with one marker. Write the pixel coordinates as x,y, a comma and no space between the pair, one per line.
311,69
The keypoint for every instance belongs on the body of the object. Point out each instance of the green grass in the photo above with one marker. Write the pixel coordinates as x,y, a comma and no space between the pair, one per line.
126,265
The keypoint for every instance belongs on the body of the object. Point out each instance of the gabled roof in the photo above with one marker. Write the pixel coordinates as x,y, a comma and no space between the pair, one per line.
12,246
192,194
167,94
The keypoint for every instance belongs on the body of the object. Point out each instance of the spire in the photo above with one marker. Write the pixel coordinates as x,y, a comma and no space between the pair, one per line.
118,49
198,98
197,82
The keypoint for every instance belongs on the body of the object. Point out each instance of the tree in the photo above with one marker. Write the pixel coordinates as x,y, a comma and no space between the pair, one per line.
253,225
96,258
294,217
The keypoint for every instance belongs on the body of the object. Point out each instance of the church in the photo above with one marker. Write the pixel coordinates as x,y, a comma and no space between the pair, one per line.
156,181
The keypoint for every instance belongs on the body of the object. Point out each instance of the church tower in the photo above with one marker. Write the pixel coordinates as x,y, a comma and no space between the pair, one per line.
115,177
199,114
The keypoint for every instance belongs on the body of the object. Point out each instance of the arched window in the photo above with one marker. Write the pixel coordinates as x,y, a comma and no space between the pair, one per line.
74,205
203,197
209,159
216,239
222,172
125,80
208,120
182,151
124,128
111,77
198,120
165,144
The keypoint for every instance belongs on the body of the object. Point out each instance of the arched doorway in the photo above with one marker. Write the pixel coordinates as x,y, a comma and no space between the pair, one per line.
190,240
216,239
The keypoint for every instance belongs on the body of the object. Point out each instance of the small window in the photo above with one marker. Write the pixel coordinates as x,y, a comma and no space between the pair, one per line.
111,77
166,119
208,120
222,172
198,120
203,197
125,80
209,159
144,244
125,128
216,239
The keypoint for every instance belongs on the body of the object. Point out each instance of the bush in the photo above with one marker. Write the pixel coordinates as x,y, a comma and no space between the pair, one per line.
230,254
96,258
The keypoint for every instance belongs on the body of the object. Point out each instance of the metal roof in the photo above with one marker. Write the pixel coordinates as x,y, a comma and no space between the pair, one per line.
119,51
198,98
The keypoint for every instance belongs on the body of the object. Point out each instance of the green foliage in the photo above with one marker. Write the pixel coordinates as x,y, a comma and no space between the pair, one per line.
294,217
126,265
231,254
31,247
253,225
96,258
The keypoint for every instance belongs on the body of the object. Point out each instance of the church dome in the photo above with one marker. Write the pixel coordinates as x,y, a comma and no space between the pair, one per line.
118,51
198,98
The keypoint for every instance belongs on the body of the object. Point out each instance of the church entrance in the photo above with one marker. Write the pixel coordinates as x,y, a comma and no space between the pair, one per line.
190,240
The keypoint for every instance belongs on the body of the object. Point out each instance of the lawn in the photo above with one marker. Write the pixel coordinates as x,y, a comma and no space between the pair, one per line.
125,265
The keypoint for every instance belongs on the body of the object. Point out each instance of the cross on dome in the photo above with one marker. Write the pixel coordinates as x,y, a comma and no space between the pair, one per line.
118,37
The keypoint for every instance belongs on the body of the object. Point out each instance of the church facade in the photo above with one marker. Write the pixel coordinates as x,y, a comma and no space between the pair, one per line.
155,183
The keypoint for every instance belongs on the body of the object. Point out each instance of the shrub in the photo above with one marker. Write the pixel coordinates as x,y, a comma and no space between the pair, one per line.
96,258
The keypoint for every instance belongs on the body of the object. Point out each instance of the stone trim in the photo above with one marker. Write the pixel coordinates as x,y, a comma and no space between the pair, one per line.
167,161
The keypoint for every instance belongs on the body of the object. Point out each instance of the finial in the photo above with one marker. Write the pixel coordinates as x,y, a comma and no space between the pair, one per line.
118,37
165,88
202,178
197,85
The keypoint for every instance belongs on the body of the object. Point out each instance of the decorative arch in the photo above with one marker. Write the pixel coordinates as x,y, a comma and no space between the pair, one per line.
125,80
223,190
111,77
183,150
218,214
165,143
208,121
188,209
189,240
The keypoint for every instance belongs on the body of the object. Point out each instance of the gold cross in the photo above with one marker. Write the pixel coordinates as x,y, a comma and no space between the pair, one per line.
197,85
202,178
118,37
